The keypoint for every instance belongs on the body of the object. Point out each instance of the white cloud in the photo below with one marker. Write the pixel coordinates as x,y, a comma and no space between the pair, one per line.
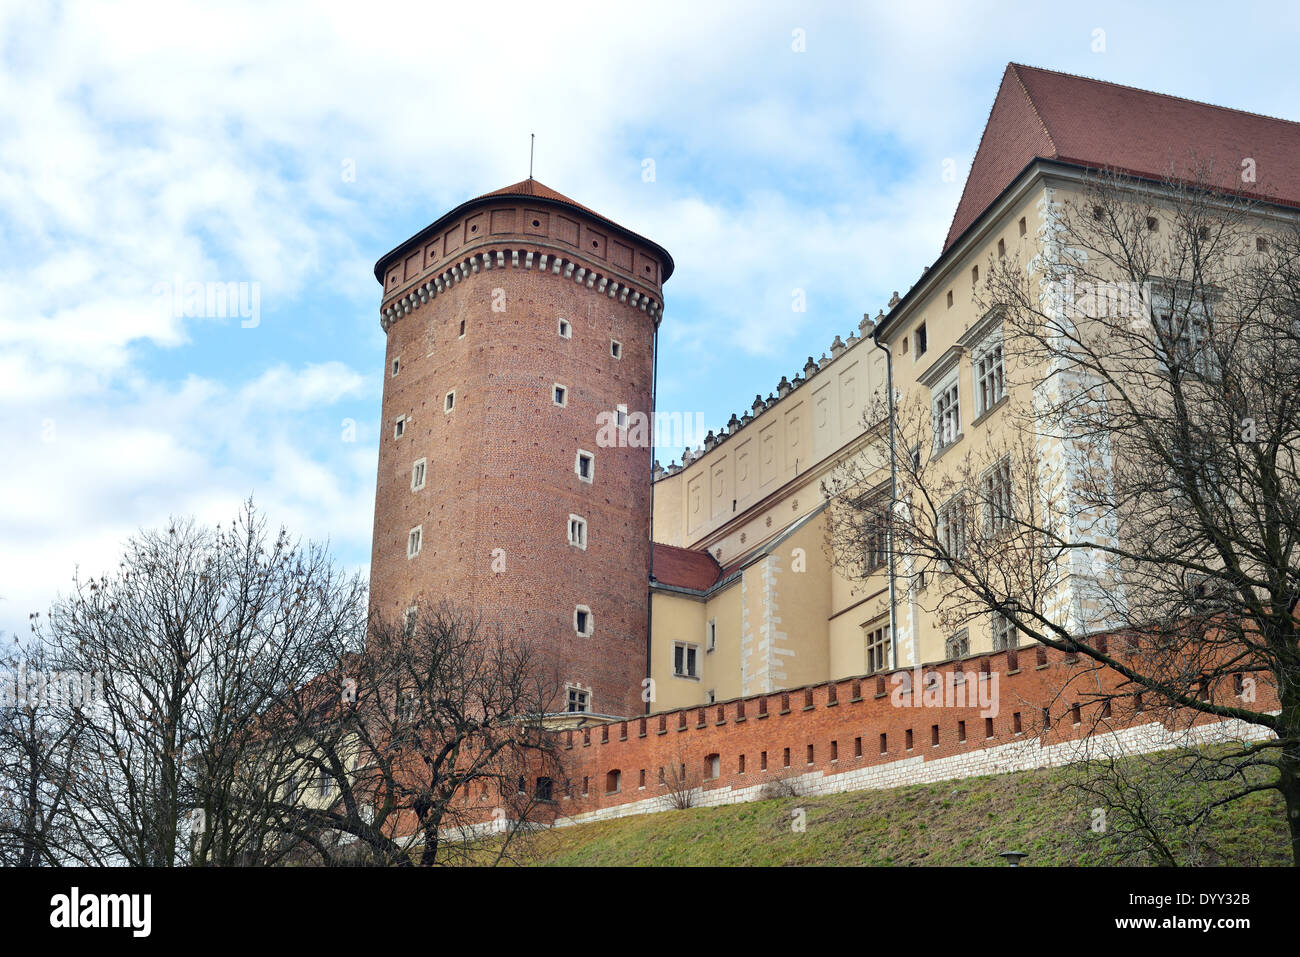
144,141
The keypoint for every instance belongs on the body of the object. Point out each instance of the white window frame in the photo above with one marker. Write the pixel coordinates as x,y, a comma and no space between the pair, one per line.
620,416
564,328
396,367
409,618
591,623
690,654
951,525
590,477
1200,324
999,502
616,348
578,523
710,635
1005,634
449,403
399,426
414,539
419,474
957,645
876,641
989,374
580,694
945,411
563,399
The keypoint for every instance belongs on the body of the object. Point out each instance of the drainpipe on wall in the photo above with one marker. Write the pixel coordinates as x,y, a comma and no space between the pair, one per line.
650,538
893,492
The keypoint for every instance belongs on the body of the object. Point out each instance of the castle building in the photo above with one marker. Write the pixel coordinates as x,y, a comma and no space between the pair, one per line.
490,415
515,322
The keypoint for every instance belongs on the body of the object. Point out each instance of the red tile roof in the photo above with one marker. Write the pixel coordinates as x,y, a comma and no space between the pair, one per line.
527,187
531,187
684,567
1042,113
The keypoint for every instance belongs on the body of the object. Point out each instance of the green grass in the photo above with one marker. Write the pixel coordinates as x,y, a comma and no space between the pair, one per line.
965,822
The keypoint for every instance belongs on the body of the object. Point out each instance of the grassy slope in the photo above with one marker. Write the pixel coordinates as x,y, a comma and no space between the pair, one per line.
953,823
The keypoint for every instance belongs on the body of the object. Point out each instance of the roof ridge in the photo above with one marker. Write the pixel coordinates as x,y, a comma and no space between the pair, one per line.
988,121
1014,70
1139,89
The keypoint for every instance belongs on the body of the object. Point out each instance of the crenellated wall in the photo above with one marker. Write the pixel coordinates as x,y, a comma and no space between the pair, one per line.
854,734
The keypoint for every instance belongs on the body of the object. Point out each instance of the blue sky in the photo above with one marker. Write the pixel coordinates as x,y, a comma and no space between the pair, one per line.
141,142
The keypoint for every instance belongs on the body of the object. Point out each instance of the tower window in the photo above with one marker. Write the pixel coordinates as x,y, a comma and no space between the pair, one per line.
949,298
1023,228
621,415
578,531
397,365
462,330
399,427
582,622
711,635
449,402
413,541
585,465
922,340
566,330
578,699
616,348
1002,248
560,395
417,475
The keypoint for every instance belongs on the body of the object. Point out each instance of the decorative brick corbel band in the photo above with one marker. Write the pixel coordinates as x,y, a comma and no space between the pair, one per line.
487,260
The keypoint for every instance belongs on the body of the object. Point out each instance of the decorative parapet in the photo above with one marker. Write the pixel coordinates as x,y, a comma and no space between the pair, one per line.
486,260
785,387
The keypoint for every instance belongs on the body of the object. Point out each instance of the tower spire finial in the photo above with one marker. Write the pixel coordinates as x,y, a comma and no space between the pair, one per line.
531,137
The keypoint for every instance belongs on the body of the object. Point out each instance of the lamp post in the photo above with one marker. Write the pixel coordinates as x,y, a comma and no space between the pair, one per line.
1014,857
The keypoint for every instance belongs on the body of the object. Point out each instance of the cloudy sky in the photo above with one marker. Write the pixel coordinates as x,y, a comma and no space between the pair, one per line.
286,146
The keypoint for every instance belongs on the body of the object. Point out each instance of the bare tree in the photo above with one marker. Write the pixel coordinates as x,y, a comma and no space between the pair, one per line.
431,739
189,645
40,728
683,783
1138,505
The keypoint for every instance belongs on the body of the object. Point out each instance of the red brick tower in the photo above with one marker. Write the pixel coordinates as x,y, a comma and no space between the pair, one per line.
513,322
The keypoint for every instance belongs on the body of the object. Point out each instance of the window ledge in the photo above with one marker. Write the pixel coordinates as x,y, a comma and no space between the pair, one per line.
990,410
944,451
